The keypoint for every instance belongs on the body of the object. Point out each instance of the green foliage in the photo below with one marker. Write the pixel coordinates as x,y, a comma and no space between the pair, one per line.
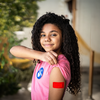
19,13
8,82
14,15
2,59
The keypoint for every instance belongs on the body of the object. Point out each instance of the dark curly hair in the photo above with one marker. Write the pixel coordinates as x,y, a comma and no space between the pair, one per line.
69,45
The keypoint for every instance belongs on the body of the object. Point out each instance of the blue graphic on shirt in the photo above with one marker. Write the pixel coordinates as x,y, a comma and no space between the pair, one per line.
40,73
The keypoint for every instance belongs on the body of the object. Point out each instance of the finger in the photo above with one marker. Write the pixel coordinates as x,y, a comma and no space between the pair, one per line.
53,58
54,53
50,60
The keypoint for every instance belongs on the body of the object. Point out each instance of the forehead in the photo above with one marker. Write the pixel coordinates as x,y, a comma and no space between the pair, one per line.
50,26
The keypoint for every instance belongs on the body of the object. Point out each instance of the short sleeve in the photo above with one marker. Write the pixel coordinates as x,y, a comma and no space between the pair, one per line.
64,67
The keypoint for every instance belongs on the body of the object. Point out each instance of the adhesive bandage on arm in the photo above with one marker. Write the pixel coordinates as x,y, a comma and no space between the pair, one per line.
58,84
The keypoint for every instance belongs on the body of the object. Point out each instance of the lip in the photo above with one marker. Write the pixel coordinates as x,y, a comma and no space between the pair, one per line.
47,45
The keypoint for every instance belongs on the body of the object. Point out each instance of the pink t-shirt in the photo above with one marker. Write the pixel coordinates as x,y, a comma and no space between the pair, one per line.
40,79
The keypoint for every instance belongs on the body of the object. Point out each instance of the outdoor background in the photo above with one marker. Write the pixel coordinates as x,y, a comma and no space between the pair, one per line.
17,18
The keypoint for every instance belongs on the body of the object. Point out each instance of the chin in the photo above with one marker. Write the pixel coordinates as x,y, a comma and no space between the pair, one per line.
47,49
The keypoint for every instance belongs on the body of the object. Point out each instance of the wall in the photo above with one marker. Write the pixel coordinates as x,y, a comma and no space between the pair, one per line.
26,33
56,6
88,25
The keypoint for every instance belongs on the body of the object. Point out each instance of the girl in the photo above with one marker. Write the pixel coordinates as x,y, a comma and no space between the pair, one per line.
56,49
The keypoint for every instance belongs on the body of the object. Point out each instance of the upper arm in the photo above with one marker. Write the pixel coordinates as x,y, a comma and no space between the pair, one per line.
56,76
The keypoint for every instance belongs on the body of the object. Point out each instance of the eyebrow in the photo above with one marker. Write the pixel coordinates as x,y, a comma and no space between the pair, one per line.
50,31
53,31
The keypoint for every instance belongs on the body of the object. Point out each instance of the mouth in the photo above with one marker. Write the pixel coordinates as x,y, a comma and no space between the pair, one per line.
47,45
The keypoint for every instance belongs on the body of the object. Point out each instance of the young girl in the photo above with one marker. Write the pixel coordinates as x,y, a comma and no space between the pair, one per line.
56,50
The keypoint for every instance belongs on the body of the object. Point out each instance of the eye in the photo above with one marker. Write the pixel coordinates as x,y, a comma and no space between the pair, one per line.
53,34
42,35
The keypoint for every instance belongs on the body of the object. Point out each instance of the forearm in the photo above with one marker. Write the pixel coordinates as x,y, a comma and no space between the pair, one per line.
24,52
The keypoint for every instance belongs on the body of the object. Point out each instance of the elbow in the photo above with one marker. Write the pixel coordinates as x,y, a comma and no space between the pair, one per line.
12,50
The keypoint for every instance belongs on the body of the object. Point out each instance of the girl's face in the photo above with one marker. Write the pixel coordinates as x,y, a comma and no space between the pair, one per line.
51,38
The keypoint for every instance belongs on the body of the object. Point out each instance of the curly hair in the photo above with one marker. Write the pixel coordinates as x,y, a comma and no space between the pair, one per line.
69,46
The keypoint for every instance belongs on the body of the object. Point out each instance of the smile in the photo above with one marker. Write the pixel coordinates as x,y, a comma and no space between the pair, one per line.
48,45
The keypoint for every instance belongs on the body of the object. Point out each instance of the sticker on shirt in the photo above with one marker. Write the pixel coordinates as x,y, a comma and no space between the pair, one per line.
40,73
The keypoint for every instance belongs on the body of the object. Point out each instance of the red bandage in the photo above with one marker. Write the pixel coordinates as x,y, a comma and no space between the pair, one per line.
58,84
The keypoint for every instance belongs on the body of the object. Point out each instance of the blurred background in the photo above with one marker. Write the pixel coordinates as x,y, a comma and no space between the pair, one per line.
17,18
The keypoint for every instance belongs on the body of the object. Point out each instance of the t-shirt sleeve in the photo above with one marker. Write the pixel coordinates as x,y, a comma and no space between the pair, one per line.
64,67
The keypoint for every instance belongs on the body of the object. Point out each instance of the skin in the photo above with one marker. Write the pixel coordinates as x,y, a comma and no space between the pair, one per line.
56,76
27,53
51,40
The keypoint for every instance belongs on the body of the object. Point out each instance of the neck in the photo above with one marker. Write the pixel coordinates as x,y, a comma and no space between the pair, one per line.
58,52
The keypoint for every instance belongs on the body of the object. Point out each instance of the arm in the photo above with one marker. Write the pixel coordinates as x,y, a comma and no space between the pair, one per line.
24,52
56,76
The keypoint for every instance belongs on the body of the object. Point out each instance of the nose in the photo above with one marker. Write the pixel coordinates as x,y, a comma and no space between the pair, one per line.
47,39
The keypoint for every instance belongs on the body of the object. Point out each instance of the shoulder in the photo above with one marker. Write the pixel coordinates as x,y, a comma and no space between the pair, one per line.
63,60
63,64
57,69
62,69
56,74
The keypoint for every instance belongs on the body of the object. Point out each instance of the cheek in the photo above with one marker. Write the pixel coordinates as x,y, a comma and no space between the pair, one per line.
58,41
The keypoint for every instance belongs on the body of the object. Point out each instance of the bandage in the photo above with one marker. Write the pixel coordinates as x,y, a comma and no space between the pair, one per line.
58,84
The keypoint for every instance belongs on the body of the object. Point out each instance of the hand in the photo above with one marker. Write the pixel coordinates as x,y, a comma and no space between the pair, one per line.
50,57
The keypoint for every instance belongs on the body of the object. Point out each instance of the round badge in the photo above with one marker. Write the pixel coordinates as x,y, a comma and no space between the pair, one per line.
40,73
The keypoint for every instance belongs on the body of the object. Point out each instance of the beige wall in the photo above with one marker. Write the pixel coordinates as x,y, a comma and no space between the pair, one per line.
56,6
88,25
26,33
